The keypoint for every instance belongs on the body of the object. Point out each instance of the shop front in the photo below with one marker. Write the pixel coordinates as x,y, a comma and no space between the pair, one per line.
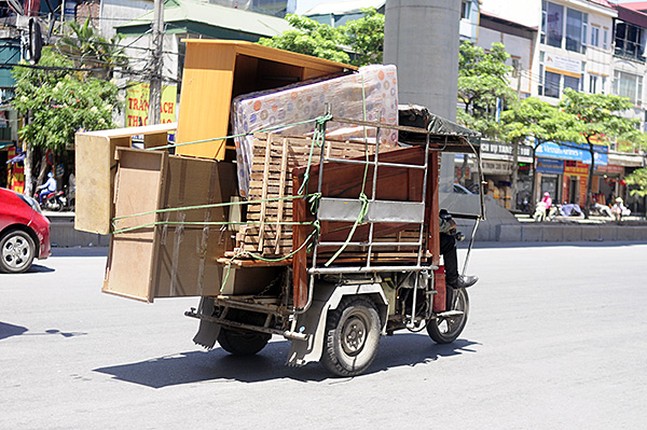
497,161
548,176
563,170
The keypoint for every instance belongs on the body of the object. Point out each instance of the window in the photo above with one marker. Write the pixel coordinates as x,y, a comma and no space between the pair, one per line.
555,24
628,85
571,82
516,66
593,84
466,9
595,36
629,41
551,84
605,38
604,85
575,31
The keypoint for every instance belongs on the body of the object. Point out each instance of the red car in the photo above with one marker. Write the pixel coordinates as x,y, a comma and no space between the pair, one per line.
24,232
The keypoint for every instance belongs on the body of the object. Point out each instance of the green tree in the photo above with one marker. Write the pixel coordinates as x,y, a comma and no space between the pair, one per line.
599,120
365,37
483,86
90,51
311,38
638,178
534,120
57,100
358,42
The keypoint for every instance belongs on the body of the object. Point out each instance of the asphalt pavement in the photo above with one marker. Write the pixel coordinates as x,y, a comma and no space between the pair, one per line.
556,339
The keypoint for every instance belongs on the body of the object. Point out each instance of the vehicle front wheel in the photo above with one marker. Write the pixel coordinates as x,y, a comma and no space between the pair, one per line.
352,337
446,329
17,252
242,344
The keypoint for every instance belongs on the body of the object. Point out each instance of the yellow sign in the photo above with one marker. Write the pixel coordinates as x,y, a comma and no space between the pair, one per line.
137,96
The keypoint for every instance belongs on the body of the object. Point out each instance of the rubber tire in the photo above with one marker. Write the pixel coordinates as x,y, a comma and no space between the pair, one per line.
335,357
455,325
242,344
26,260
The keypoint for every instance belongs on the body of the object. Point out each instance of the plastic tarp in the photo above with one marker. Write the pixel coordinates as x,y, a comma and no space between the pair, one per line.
436,126
370,94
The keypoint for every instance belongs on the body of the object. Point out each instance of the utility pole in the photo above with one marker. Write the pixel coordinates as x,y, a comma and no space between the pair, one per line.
155,97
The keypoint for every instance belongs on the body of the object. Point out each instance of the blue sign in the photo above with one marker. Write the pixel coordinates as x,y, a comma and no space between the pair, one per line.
547,165
574,152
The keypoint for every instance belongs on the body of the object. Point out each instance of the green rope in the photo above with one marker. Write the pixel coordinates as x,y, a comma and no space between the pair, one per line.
318,139
232,136
203,223
207,206
360,220
363,198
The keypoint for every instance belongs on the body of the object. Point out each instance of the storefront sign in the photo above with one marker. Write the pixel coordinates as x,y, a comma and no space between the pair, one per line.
492,167
611,169
575,168
503,151
137,97
564,64
549,166
573,151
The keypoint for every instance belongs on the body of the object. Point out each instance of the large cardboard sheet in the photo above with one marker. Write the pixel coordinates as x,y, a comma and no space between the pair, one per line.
168,254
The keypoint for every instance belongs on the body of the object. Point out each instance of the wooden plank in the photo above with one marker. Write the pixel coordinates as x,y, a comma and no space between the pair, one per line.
433,245
300,258
284,168
266,169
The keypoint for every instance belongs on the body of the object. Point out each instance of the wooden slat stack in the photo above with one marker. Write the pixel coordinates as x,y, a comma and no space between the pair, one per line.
274,158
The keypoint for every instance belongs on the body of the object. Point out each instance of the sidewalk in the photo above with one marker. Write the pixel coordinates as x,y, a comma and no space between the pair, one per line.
627,220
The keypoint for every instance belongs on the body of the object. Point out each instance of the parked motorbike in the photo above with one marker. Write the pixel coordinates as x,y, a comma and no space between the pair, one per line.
540,212
54,201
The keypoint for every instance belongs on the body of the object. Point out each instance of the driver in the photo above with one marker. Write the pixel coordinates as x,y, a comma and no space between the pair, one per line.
448,236
48,187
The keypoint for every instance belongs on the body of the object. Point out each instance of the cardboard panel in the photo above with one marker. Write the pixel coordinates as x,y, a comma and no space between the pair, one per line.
95,171
187,253
177,255
133,254
96,167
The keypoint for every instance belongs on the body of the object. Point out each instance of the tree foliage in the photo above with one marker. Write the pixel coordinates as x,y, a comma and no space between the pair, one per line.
309,37
359,42
638,178
483,86
365,37
89,50
58,101
599,121
535,119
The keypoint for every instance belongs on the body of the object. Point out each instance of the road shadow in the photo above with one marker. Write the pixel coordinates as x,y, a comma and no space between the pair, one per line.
37,268
217,365
8,330
77,251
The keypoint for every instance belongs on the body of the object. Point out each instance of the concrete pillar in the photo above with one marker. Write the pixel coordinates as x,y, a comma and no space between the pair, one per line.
421,37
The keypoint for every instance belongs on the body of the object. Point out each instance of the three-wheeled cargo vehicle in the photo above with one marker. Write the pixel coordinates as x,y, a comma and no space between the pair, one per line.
364,261
316,220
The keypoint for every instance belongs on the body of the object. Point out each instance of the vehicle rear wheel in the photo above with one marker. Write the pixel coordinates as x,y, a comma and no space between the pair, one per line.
352,337
447,329
17,252
242,343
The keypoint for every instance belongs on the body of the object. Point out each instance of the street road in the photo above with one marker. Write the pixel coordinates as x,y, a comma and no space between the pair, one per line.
557,338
